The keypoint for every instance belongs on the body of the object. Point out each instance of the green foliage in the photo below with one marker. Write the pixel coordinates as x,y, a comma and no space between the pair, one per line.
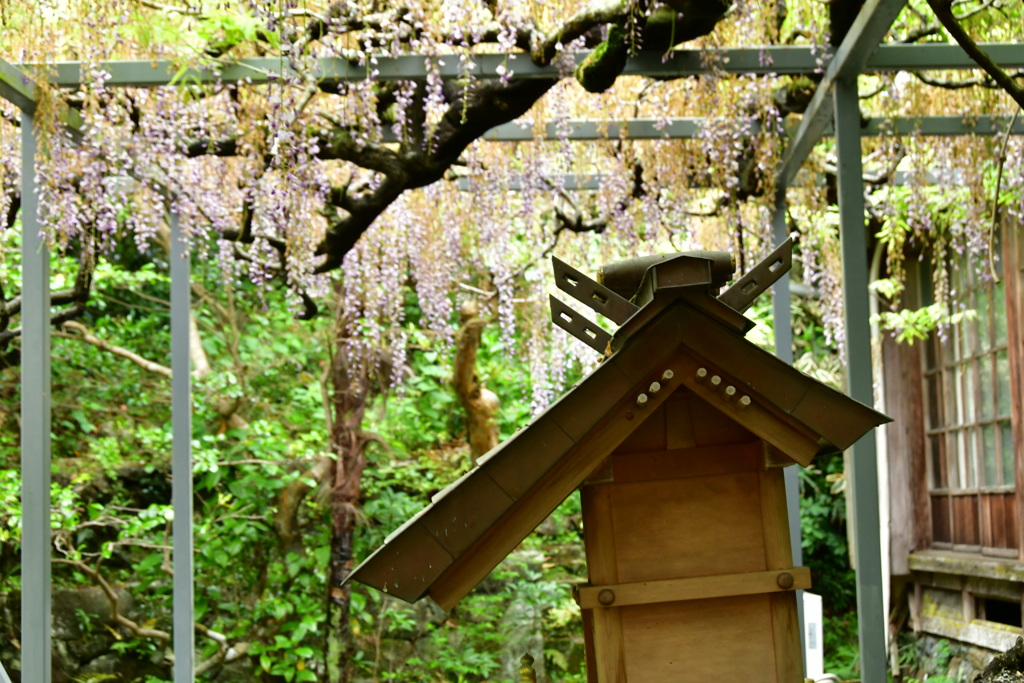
842,651
425,412
425,415
916,325
225,28
929,659
934,220
823,527
111,450
111,486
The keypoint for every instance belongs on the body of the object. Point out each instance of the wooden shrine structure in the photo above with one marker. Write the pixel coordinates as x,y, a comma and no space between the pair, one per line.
677,442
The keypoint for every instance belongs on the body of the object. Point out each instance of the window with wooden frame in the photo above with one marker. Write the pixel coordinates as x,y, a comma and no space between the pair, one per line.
969,425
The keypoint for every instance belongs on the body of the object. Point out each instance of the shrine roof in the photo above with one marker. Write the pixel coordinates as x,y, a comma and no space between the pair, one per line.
678,333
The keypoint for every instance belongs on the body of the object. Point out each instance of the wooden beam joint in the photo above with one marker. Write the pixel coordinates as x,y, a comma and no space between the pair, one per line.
695,588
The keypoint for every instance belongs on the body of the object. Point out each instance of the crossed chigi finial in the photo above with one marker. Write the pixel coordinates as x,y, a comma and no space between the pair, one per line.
646,275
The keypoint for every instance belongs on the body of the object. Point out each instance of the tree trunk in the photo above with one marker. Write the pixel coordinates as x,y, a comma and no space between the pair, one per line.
348,404
479,402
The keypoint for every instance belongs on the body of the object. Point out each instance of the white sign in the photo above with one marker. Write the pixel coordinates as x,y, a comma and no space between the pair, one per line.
814,632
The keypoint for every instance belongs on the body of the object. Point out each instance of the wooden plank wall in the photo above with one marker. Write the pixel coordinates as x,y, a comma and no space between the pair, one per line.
1013,271
688,495
910,520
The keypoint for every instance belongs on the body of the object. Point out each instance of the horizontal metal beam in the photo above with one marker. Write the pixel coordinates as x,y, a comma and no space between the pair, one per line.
870,26
18,87
940,57
685,128
677,64
633,129
592,182
517,183
941,126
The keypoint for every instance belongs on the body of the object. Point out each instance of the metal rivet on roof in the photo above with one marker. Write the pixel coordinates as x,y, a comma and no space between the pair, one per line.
730,391
744,401
668,374
655,387
641,400
716,380
702,373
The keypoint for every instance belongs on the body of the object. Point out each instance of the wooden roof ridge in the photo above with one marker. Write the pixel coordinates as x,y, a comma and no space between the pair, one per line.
681,335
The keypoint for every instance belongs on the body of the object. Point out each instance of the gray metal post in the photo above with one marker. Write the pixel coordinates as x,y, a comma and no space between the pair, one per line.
35,422
782,318
782,324
863,475
181,457
781,313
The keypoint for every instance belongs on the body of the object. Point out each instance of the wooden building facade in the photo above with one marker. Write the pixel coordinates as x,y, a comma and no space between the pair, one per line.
955,459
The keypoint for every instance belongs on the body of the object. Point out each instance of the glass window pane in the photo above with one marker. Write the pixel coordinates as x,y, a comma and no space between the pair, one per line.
933,400
1002,380
929,352
1006,441
999,314
952,474
952,386
986,387
970,337
968,375
938,473
984,332
951,349
966,331
990,456
971,458
958,477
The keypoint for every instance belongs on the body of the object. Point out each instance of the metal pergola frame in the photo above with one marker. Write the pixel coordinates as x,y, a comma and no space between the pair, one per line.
836,94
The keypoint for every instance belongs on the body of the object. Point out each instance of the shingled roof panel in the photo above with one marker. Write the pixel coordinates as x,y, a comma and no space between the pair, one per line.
456,521
517,464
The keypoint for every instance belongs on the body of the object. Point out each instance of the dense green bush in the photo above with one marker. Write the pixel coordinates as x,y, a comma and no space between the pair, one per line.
111,493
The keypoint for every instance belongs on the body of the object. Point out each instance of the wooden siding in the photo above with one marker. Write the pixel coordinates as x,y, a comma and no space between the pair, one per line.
910,528
1013,248
672,525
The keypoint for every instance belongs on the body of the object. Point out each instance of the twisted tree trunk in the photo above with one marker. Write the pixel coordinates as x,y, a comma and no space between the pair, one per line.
479,402
348,404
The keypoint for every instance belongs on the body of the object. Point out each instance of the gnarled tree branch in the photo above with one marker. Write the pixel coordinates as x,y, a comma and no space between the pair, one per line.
82,334
944,12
